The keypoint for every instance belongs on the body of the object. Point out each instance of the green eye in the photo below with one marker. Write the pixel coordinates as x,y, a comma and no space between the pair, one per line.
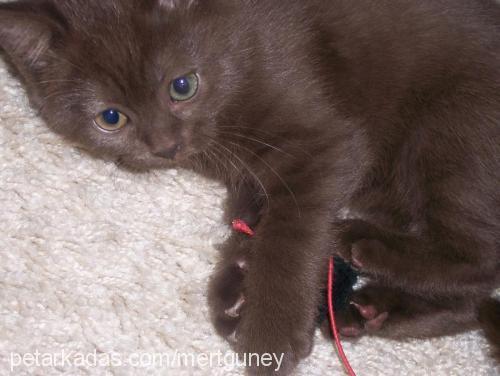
184,88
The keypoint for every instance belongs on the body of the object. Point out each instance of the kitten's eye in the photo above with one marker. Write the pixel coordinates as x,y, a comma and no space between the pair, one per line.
184,88
111,120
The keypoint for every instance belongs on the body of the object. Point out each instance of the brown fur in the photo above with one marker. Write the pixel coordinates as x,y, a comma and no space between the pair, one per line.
365,129
489,314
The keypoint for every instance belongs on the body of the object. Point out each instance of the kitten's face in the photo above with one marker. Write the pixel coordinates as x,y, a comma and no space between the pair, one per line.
136,81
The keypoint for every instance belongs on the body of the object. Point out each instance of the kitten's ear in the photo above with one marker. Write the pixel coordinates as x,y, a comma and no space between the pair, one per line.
27,30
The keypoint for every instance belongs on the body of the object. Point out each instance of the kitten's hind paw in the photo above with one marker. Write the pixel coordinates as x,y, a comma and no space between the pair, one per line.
359,318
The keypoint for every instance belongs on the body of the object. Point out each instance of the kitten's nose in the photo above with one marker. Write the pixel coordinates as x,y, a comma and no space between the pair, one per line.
168,151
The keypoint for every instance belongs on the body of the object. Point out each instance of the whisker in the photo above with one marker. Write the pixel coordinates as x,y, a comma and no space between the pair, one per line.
251,129
239,172
214,158
228,159
259,142
59,81
254,175
293,145
283,181
196,162
211,158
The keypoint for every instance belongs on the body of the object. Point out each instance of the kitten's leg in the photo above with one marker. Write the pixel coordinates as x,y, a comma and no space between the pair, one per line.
392,313
283,289
226,293
444,262
271,303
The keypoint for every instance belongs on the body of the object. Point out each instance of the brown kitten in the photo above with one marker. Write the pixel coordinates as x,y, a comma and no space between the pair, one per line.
364,129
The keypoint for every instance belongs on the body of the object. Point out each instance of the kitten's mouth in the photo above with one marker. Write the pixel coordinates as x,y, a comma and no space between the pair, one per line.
150,162
144,164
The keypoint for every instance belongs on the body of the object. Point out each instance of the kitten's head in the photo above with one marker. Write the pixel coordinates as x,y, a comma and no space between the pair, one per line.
141,81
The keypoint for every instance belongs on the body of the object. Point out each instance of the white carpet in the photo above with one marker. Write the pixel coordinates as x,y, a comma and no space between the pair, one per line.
97,260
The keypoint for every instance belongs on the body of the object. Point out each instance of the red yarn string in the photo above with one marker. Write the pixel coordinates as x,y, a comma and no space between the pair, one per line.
242,227
333,322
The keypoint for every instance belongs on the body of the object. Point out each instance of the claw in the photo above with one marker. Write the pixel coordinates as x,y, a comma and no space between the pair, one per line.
242,264
355,257
234,311
232,338
368,312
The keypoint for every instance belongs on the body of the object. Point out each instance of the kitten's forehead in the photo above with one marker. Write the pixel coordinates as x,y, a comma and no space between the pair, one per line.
125,22
121,38
85,15
97,11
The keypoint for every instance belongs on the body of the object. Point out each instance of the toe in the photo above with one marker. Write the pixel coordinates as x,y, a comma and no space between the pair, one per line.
235,310
351,331
232,338
376,323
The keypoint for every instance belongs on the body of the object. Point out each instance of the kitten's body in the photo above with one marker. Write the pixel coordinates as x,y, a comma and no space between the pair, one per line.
365,129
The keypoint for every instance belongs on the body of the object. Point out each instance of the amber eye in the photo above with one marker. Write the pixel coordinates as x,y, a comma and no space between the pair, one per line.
111,120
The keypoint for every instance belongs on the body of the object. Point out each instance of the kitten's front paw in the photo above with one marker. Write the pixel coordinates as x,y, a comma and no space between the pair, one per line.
227,299
266,328
278,334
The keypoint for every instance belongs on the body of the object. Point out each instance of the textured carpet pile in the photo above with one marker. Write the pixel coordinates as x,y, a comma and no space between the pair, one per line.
95,260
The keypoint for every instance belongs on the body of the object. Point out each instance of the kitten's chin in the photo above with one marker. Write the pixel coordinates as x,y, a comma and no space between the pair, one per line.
148,163
142,165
